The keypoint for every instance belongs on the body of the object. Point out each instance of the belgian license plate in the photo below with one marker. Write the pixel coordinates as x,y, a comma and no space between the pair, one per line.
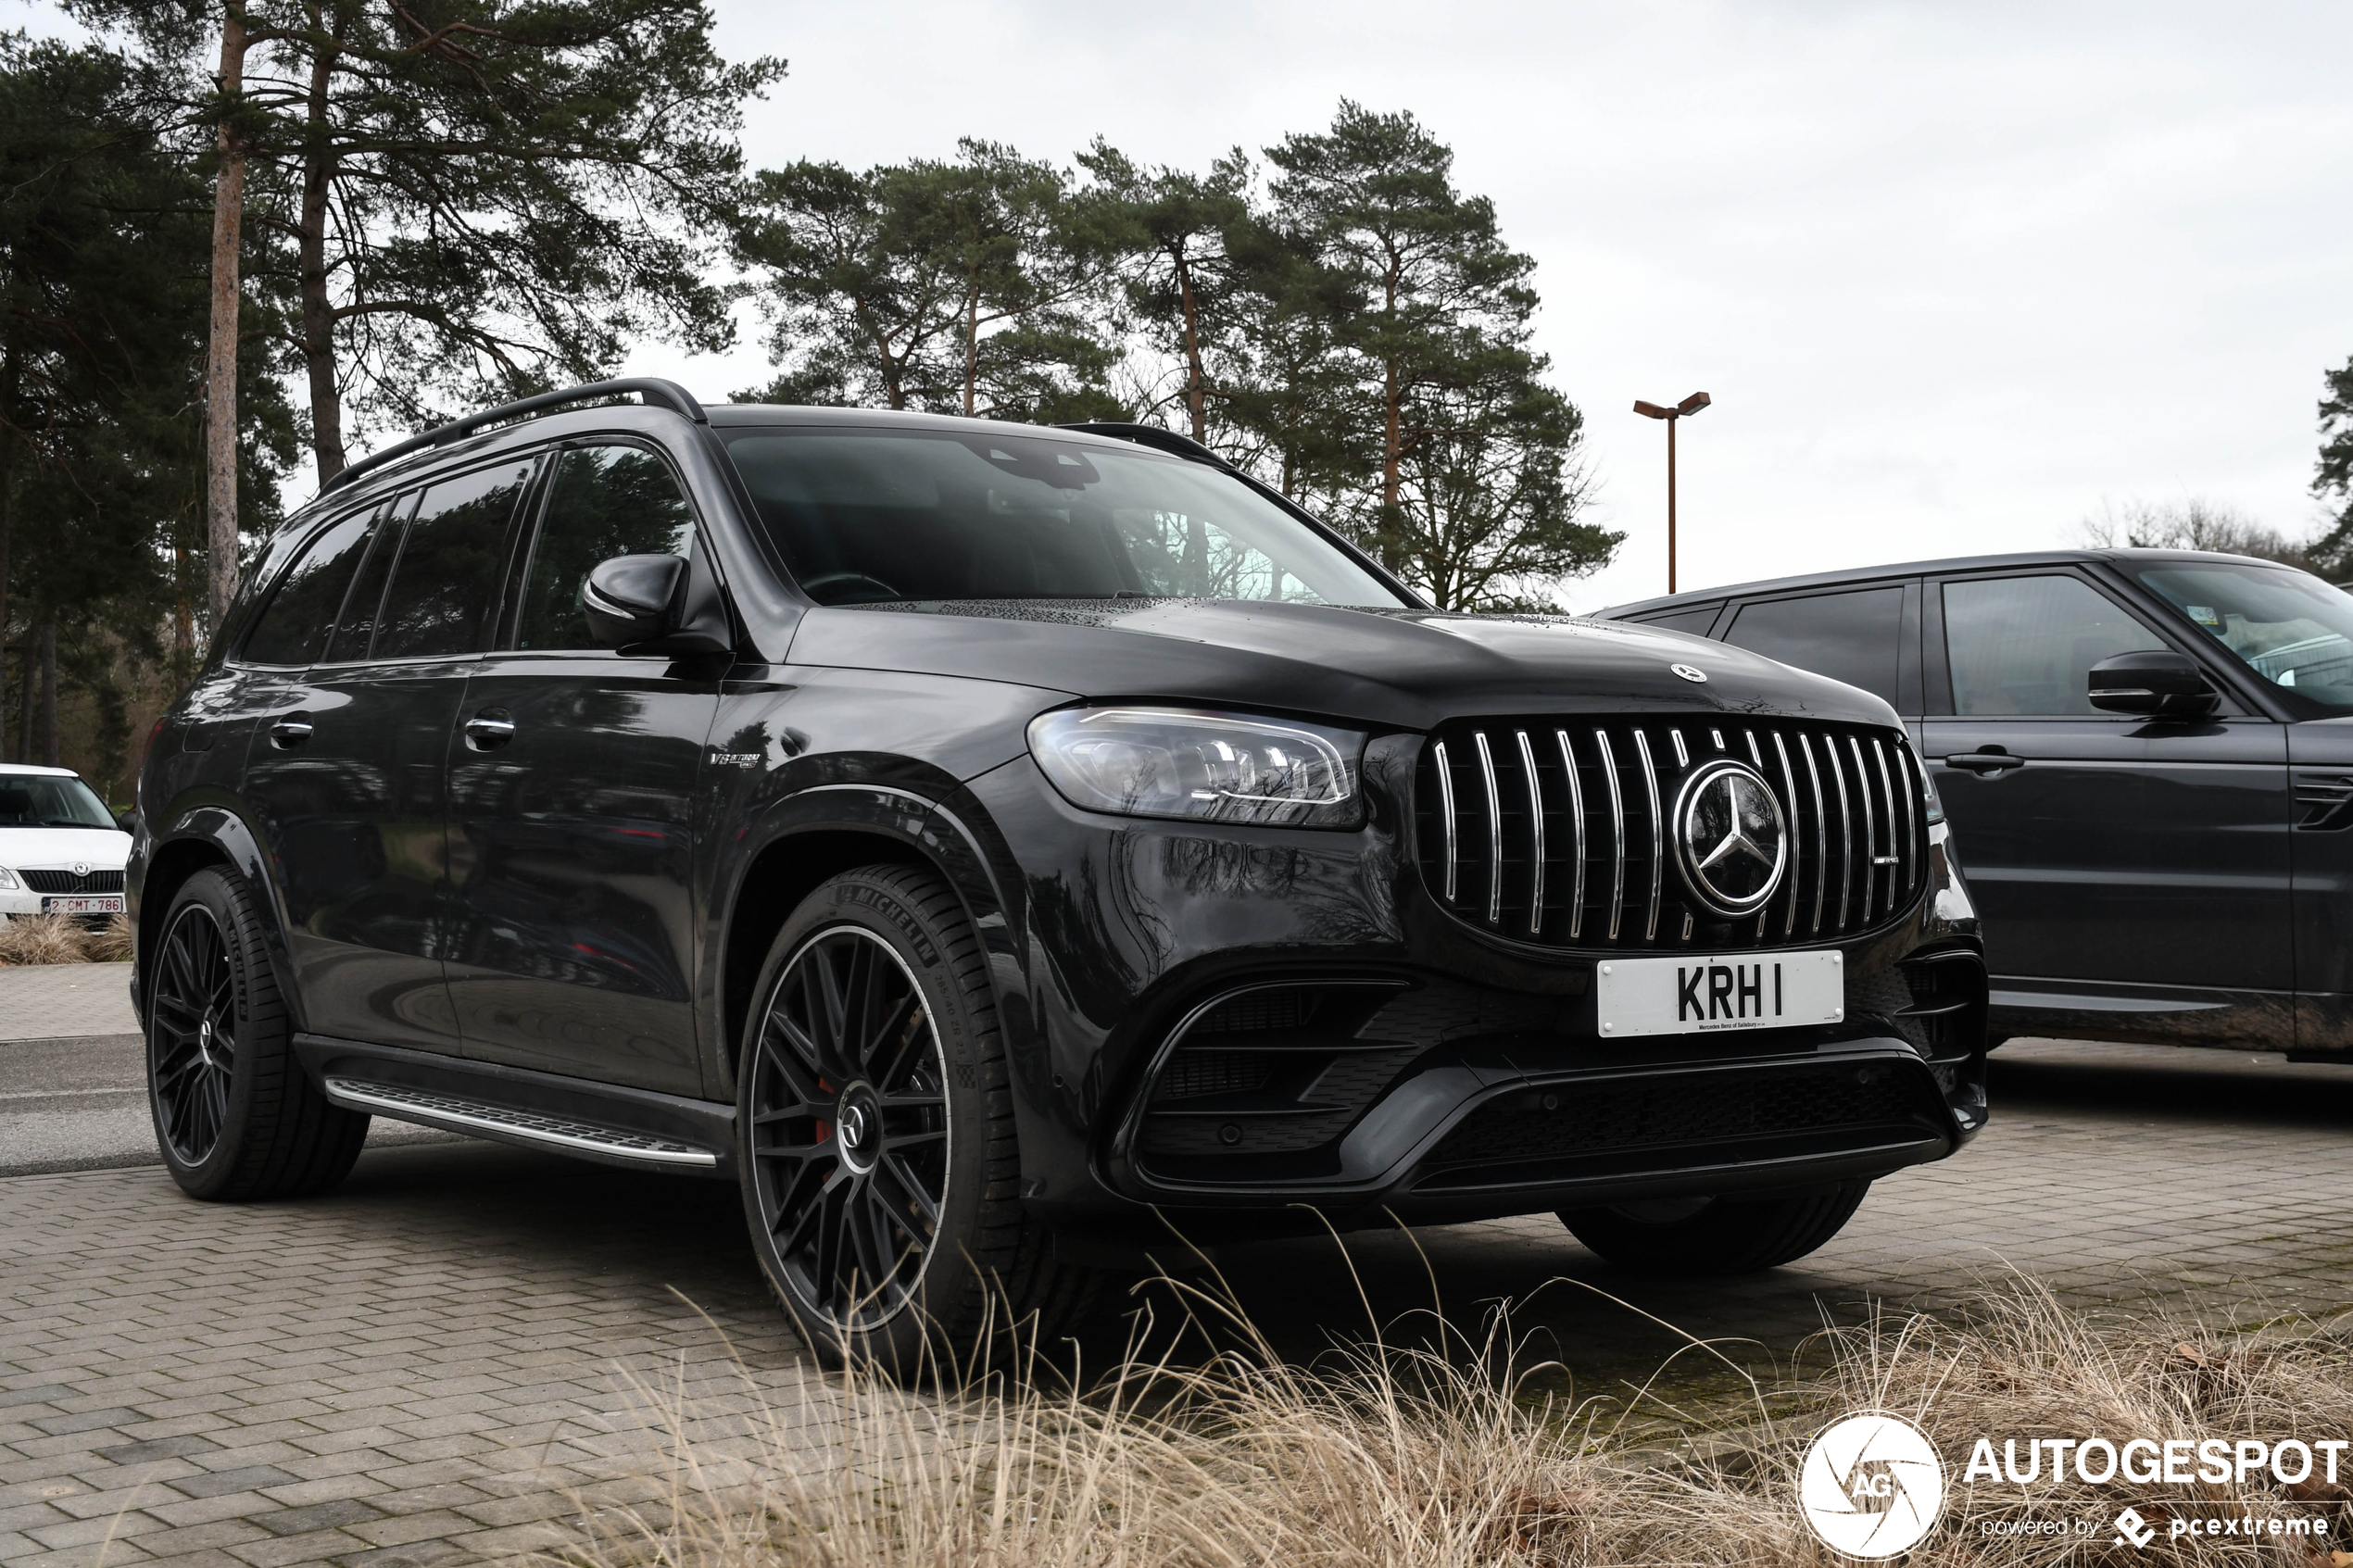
106,904
1697,994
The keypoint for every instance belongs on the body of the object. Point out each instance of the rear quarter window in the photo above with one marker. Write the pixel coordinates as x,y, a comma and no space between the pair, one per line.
1854,635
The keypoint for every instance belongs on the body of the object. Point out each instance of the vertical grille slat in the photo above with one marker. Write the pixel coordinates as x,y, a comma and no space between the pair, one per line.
1446,811
1494,830
1658,838
1543,882
1576,851
1789,796
1536,832
1870,828
1617,834
1911,793
1887,793
1846,835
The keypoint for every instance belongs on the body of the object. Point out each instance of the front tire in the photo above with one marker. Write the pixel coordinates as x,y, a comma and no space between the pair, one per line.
881,1173
236,1116
1697,1238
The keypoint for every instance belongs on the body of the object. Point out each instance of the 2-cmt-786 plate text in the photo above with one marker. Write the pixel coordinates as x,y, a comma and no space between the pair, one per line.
1692,995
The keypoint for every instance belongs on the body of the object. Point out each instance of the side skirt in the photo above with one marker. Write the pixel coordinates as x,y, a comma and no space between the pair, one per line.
606,1123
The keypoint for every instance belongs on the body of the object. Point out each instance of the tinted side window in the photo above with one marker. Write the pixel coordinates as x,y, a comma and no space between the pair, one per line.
1695,621
2023,645
293,626
1849,636
604,501
447,577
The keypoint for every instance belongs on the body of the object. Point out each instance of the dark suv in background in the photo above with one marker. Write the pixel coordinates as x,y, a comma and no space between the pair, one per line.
993,846
2150,755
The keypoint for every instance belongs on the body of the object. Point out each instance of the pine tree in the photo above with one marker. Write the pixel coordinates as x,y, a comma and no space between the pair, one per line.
979,286
474,199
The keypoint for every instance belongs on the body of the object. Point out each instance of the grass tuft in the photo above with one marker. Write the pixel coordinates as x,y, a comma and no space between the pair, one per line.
38,940
1455,1457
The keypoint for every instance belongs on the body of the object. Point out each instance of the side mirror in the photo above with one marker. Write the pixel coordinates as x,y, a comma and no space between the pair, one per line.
654,604
2158,683
632,599
128,822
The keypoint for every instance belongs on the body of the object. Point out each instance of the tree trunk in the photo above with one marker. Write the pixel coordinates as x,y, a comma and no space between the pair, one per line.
1392,435
318,313
49,693
972,347
221,368
8,516
27,685
1195,382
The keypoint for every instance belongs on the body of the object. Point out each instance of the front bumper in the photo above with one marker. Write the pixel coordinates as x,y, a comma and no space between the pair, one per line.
1395,1060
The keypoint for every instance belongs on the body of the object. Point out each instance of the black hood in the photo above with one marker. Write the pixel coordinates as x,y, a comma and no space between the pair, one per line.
1397,669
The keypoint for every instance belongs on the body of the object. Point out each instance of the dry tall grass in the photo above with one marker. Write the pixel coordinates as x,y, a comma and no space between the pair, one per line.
1448,1459
34,940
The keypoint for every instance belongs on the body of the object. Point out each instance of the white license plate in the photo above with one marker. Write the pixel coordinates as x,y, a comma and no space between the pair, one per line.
109,904
1694,995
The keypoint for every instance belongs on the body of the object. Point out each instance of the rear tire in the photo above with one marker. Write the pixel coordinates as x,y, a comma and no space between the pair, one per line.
1715,1236
236,1115
881,1172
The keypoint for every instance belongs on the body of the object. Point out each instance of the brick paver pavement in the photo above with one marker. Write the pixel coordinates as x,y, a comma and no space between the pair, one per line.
45,1001
426,1364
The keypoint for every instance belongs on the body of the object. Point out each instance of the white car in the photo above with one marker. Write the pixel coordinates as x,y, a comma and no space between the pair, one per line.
60,851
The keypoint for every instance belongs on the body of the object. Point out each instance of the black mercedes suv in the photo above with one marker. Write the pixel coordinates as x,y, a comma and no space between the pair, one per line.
997,847
2149,754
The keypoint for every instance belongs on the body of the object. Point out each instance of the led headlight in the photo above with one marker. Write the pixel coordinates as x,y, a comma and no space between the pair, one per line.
1179,762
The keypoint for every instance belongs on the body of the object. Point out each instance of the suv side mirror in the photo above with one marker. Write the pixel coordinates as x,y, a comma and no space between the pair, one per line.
654,604
2159,683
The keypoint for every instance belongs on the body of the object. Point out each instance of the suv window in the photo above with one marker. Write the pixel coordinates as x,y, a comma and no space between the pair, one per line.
1852,636
2024,644
602,502
446,575
293,626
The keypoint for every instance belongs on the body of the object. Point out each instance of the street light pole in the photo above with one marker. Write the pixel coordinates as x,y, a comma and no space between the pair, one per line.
1689,406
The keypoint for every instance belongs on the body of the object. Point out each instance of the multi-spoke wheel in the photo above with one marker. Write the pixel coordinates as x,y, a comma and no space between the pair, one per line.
234,1115
849,1127
879,1165
192,1036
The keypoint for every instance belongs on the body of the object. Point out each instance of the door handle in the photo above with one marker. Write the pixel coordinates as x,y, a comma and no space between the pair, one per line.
1982,762
287,733
489,729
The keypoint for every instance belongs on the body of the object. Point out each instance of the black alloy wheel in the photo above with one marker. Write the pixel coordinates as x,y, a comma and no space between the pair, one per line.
880,1164
236,1116
192,1040
848,1130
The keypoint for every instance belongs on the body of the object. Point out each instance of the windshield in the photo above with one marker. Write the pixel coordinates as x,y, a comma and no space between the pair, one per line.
2287,626
41,800
871,517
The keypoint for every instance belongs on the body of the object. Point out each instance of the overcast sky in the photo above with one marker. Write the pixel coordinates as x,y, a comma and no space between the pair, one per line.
1955,274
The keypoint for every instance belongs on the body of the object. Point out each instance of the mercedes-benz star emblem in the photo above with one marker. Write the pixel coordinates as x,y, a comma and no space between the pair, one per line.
1690,672
1731,841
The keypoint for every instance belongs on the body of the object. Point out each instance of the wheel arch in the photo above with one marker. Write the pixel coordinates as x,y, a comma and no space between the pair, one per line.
210,837
819,833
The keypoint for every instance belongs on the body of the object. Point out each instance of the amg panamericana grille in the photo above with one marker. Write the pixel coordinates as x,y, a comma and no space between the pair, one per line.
1558,832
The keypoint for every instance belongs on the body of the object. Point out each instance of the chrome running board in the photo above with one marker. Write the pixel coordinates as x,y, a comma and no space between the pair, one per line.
507,1124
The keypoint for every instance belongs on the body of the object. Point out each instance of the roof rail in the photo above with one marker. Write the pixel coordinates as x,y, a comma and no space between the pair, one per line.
654,390
1154,437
